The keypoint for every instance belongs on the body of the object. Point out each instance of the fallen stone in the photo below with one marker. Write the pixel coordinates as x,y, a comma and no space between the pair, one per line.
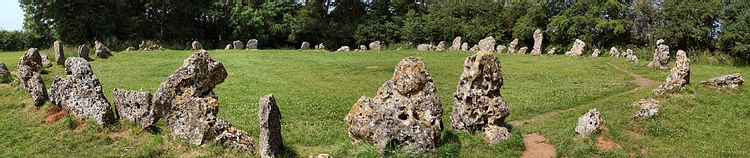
253,44
45,61
363,47
238,44
232,137
135,106
83,52
424,47
614,53
678,77
59,53
589,123
726,81
197,45
456,45
440,46
661,56
552,51
375,46
512,46
648,108
101,51
523,50
305,46
343,49
487,44
269,118
495,134
538,37
596,53
465,47
80,92
405,111
500,49
577,48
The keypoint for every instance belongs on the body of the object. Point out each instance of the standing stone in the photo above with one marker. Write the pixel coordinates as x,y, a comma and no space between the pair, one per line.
406,110
495,134
81,92
627,54
440,46
537,42
661,56
362,48
27,76
101,51
37,90
633,58
523,50
4,73
143,45
589,123
500,49
129,49
478,104
465,47
269,118
552,51
238,44
305,46
678,77
475,48
45,61
512,46
487,44
83,52
577,48
375,46
424,47
197,45
253,44
614,53
59,54
228,47
731,81
343,49
135,106
456,45
596,53
321,46
648,108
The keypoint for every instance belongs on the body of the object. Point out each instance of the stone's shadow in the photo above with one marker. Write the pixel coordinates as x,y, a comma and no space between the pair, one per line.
288,151
154,130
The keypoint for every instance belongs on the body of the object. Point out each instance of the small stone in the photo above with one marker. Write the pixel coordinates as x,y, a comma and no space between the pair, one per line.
80,92
552,51
465,47
648,108
83,52
269,118
726,81
135,106
596,53
101,51
614,53
512,46
238,44
487,44
375,46
45,61
305,46
577,49
633,58
538,37
228,47
474,48
589,123
495,134
523,50
320,46
678,77
440,46
129,49
424,47
253,44
362,47
232,137
59,53
456,45
197,45
500,49
343,49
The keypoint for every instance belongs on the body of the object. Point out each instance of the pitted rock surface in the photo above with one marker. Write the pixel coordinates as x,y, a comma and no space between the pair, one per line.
726,81
456,45
83,52
37,90
614,53
197,45
487,44
232,137
135,106
538,37
269,118
80,92
523,50
406,110
500,49
589,123
661,56
29,79
238,44
440,46
477,102
465,47
648,108
512,46
305,46
678,77
186,101
495,134
595,53
424,47
343,49
577,48
253,44
45,61
375,46
59,53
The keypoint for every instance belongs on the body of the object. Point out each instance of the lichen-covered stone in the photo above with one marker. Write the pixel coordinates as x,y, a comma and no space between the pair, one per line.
83,52
538,37
29,79
362,47
495,134
253,44
648,108
456,45
59,53
424,47
487,44
440,46
465,47
232,137
37,90
343,49
80,92
196,45
135,106
512,46
500,49
4,73
238,44
678,77
474,48
269,119
595,53
523,50
305,46
661,56
614,53
375,46
406,110
45,61
577,49
101,51
477,102
726,81
589,123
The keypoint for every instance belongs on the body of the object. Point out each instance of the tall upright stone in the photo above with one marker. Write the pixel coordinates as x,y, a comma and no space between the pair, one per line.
614,53
487,44
375,46
678,77
305,46
661,56
80,92
538,37
269,119
252,44
577,49
59,53
456,45
238,44
440,46
83,51
512,46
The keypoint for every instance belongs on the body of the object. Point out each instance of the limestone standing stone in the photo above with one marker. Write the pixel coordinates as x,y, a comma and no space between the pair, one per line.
230,136
135,106
537,42
627,54
523,50
552,51
101,50
596,53
474,48
197,45
465,47
143,45
577,48
375,46
27,76
129,49
343,49
487,44
614,53
726,81
269,118
37,90
83,52
305,46
252,44
228,47
238,44
80,92
440,46
589,123
406,110
321,46
661,56
4,73
500,49
678,77
59,53
512,46
456,45
478,104
648,108
45,61
424,47
362,47
633,58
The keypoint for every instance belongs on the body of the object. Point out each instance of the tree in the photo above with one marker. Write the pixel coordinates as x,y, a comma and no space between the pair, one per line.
735,33
686,25
73,22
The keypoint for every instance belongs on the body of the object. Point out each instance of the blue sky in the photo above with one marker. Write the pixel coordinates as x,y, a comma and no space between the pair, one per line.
11,15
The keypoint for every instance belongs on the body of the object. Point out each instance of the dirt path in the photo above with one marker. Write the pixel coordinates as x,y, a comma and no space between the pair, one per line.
537,147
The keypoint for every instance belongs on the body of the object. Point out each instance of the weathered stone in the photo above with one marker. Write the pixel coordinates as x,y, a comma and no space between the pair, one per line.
129,49
320,46
589,123
406,110
424,47
500,49
305,46
232,137
614,53
627,54
4,73
537,42
59,53
269,118
197,45
633,58
321,156
487,44
577,48
37,90
478,104
81,92
343,49
28,66
661,56
143,45
648,108
135,106
523,50
228,47
238,44
456,45
83,52
440,46
474,48
512,46
375,46
253,44
186,101
45,61
465,47
678,77
552,51
730,81
595,53
362,47
101,51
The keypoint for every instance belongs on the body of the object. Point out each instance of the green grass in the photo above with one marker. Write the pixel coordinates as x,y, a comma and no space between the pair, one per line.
315,90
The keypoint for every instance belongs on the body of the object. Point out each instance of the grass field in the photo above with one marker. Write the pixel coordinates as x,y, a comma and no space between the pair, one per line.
315,90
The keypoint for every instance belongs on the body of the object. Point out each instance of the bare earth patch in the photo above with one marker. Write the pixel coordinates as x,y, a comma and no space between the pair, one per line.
54,114
536,146
372,67
605,143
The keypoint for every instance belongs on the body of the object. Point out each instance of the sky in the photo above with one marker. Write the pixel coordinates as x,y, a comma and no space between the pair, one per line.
11,15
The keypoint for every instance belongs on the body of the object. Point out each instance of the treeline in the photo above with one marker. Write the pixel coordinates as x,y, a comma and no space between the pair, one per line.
714,25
